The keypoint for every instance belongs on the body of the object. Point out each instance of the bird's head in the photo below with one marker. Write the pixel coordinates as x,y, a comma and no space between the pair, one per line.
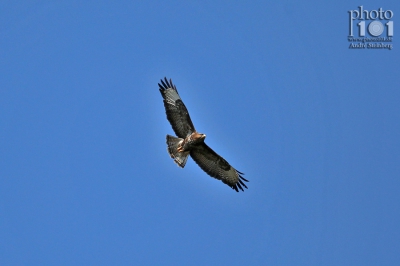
199,136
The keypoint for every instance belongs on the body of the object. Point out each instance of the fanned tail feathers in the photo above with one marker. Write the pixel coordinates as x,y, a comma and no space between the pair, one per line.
180,158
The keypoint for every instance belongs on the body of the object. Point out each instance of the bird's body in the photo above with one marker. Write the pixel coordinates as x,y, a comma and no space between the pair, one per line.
190,142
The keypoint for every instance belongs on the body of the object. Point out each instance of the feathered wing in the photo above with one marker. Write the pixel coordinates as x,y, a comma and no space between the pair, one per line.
217,167
177,114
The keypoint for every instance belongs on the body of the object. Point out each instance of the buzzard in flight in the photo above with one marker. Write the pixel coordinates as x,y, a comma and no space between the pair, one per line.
190,142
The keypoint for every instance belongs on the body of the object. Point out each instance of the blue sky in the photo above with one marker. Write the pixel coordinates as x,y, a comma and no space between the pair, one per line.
85,178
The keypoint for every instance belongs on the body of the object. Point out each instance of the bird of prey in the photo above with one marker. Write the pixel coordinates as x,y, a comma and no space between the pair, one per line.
190,142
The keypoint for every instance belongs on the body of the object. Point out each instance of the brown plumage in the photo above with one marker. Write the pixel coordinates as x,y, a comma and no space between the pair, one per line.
190,142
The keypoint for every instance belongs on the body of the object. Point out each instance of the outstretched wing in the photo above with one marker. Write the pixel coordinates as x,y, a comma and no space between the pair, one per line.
177,114
217,167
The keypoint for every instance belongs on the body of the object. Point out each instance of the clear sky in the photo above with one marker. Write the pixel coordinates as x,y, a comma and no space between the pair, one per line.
85,178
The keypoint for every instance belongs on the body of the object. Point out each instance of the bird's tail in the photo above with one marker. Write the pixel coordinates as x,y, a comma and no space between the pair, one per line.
180,158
